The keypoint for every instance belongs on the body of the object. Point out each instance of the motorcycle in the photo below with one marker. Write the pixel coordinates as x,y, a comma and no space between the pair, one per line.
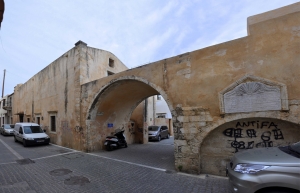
116,141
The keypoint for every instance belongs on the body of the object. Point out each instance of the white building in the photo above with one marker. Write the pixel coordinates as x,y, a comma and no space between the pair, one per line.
6,109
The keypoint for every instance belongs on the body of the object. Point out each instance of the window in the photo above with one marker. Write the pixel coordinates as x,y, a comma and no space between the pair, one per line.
28,120
53,123
109,73
161,115
111,63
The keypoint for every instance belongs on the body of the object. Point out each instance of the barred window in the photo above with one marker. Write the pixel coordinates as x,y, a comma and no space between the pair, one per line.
53,123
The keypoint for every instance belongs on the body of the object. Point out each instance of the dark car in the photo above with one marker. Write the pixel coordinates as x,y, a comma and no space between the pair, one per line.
266,170
158,132
7,129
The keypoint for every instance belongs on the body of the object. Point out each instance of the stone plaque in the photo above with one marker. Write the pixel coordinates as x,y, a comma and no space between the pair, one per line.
252,96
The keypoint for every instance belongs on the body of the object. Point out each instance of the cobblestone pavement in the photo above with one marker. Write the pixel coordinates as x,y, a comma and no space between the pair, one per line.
64,170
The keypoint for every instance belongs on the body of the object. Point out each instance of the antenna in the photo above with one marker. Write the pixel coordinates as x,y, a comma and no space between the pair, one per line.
3,83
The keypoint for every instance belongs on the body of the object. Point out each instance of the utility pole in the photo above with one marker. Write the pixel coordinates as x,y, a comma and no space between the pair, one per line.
3,84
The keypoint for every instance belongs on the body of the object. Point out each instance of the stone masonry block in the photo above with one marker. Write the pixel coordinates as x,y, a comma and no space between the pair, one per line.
208,118
189,130
194,118
183,118
180,142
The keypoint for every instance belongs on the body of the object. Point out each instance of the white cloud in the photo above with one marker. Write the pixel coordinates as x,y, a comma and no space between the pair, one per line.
34,33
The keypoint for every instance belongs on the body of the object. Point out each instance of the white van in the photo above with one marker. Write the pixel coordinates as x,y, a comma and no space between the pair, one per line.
30,134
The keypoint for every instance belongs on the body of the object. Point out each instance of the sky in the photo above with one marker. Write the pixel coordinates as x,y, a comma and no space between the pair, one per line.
34,33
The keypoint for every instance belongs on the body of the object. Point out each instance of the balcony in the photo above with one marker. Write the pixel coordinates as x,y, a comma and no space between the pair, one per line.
7,105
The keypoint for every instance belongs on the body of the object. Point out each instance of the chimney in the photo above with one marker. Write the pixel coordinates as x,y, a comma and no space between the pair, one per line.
80,43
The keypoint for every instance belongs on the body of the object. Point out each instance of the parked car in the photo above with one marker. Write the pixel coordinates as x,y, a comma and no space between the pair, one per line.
275,169
158,132
30,134
7,129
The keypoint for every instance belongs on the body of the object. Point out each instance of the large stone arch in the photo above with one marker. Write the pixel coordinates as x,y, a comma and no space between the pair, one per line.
114,103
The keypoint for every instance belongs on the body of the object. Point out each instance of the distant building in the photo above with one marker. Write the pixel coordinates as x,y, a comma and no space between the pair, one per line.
6,110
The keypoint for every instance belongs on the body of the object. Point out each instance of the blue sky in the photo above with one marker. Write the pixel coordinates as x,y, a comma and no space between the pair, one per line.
34,33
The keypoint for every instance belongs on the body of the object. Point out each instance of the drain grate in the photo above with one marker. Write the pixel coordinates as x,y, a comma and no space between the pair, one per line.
60,172
25,161
77,180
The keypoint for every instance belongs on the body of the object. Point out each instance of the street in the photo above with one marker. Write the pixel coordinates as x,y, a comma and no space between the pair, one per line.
138,168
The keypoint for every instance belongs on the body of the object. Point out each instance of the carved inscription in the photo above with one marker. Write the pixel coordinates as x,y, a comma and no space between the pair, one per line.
253,130
252,96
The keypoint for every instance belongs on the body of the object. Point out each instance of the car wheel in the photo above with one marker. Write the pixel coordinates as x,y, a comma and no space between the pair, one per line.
108,147
159,138
168,136
15,139
24,143
126,145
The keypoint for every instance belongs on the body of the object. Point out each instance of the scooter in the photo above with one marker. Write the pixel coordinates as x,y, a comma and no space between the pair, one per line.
116,141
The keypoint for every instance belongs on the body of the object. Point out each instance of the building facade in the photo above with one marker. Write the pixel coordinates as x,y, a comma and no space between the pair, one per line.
226,98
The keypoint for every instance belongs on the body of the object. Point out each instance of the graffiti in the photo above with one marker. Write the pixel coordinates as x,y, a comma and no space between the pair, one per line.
278,134
251,133
257,124
231,132
242,128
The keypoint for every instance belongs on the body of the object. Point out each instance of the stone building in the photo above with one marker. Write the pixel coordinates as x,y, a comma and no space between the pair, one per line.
50,97
225,98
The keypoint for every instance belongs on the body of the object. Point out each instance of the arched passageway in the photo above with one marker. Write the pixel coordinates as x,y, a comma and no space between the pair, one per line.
112,109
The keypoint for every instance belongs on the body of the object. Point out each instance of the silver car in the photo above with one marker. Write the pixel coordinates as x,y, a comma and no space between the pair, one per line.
275,169
7,129
158,132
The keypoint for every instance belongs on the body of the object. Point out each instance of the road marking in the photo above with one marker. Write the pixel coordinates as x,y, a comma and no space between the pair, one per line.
54,155
63,147
141,165
154,143
11,150
8,163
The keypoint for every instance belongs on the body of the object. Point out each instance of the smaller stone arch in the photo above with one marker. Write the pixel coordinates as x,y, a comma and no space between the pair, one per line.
251,93
132,77
240,133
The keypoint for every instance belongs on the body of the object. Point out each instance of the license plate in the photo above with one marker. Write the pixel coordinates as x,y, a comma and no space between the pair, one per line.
40,141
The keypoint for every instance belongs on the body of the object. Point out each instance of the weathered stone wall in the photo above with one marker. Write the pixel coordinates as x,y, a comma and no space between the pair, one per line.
56,90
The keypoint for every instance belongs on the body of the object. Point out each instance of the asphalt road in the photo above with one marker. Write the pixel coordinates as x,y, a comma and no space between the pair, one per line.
138,168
